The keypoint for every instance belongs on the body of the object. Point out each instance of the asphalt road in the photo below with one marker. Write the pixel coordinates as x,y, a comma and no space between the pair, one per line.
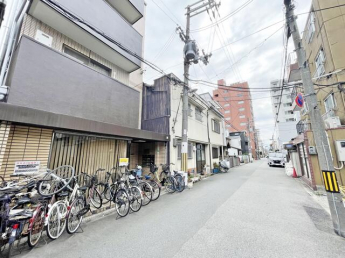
252,211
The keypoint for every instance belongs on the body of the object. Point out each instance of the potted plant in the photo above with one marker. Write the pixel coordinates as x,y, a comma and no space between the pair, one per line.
215,168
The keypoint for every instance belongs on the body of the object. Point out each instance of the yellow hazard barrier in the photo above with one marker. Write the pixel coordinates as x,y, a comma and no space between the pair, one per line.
330,180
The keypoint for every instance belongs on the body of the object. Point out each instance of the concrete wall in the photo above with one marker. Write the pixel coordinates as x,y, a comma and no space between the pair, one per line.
48,80
31,25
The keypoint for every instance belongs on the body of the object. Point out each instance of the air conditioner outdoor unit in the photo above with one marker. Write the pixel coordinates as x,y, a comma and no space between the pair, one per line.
332,122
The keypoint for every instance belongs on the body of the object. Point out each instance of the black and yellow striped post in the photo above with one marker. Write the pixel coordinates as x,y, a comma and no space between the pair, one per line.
184,161
330,181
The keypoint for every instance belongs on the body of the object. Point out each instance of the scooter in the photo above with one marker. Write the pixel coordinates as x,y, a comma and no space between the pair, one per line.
224,166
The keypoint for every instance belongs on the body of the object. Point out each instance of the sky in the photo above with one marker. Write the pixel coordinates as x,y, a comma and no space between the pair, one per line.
256,59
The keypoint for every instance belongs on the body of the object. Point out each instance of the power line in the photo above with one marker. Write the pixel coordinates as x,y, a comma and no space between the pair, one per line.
175,22
224,18
258,46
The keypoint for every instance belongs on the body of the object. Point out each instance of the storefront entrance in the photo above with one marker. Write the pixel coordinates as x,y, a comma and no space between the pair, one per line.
200,157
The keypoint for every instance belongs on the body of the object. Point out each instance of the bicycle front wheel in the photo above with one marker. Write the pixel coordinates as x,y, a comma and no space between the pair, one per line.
74,218
121,201
136,199
55,181
56,220
170,184
156,190
180,184
96,198
146,191
36,227
105,193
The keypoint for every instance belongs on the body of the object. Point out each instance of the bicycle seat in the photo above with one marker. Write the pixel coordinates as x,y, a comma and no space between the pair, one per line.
63,194
147,177
83,188
24,200
20,214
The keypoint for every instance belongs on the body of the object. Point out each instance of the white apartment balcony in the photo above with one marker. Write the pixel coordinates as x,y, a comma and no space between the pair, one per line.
131,10
70,18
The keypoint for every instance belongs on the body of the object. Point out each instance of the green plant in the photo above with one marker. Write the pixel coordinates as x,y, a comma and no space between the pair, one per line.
215,165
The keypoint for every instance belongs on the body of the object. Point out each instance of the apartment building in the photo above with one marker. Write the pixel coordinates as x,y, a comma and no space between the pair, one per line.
235,100
69,80
323,41
162,113
282,107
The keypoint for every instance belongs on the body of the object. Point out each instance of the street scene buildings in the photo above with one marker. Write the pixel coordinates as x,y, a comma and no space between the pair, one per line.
172,128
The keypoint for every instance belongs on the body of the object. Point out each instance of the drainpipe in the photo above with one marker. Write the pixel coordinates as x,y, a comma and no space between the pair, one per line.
11,10
209,141
11,42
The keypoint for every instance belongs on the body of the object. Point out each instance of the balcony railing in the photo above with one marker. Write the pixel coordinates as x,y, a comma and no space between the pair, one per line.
303,126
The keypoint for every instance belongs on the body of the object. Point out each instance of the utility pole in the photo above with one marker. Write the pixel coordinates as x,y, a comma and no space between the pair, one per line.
318,126
191,54
249,139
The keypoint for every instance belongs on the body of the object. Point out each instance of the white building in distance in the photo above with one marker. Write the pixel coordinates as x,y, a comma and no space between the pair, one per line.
285,128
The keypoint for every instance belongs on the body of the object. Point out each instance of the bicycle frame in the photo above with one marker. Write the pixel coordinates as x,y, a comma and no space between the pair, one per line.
66,202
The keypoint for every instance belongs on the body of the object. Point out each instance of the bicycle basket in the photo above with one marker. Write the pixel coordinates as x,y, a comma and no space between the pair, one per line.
153,168
165,167
94,179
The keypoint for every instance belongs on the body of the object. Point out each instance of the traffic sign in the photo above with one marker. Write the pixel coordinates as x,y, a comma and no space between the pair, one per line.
299,100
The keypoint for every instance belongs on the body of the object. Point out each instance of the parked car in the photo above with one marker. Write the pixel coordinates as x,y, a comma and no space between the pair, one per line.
276,159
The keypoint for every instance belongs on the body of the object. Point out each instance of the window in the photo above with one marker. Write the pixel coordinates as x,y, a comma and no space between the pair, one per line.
227,119
330,103
311,27
241,102
100,68
86,61
243,124
190,110
226,105
215,153
190,150
226,91
239,95
227,111
216,95
320,63
286,90
198,114
228,126
226,98
287,104
76,55
241,109
290,119
215,126
242,116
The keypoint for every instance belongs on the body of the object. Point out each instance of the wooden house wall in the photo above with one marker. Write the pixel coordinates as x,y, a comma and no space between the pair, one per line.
156,107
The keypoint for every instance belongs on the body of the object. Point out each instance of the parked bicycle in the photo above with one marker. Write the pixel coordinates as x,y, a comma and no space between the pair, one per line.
14,221
145,187
172,181
156,187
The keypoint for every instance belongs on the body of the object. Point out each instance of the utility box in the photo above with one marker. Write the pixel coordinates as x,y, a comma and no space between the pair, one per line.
340,149
312,150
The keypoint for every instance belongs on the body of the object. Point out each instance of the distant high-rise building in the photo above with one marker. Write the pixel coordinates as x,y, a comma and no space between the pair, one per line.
237,109
284,115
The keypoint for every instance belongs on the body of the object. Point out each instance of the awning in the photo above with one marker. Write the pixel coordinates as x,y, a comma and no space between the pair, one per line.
37,117
299,139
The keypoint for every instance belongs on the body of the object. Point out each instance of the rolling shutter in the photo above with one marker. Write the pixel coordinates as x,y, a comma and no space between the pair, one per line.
23,143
